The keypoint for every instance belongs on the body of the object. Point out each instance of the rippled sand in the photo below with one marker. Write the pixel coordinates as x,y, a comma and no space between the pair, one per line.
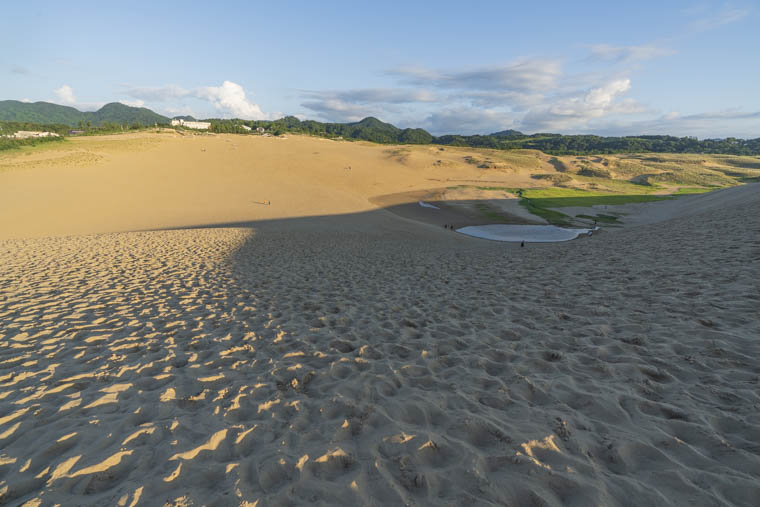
365,360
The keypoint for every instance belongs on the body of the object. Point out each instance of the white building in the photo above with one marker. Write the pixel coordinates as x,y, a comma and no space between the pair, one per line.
25,134
201,125
246,127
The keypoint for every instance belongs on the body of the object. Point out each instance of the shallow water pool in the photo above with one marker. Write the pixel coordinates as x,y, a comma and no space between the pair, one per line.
527,233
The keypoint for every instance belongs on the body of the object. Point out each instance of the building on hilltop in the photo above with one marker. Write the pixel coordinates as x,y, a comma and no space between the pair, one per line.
201,125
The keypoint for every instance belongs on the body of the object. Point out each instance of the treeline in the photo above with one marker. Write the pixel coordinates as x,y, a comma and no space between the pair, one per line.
369,129
557,144
374,130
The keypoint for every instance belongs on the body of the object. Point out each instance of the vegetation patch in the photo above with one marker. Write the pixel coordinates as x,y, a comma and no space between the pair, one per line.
488,212
540,202
605,219
550,215
484,163
559,165
692,190
7,143
400,155
594,172
555,178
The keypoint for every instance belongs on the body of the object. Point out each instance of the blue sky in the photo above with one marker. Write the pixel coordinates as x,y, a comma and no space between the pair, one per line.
681,68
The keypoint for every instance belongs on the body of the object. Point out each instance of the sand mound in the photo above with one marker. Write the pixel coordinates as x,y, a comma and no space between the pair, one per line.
299,363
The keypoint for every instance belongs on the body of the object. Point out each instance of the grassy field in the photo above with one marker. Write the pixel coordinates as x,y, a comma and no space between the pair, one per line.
541,201
585,181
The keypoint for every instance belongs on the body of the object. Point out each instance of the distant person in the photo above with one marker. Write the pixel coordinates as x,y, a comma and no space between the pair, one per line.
522,243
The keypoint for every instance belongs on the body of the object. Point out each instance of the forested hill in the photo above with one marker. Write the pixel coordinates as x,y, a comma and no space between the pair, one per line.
374,130
47,113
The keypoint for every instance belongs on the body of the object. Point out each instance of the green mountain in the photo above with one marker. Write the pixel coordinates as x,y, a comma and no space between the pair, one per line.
116,112
39,112
45,112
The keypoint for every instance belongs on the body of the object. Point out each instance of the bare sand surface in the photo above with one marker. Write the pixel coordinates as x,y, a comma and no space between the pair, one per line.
458,207
127,183
360,358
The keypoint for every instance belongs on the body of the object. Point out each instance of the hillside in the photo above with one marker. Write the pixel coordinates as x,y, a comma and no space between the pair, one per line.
39,112
46,113
376,131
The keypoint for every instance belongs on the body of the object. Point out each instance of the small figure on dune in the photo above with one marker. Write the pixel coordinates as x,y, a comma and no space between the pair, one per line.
522,243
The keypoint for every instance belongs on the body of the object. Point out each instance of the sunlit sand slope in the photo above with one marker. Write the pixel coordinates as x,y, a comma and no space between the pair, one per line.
311,362
126,183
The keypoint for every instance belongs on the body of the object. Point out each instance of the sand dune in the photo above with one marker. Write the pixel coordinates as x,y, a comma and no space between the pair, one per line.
360,358
127,183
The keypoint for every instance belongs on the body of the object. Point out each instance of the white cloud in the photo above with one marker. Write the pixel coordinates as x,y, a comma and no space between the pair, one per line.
625,54
599,99
724,16
28,101
133,103
354,105
157,94
467,120
528,76
230,98
65,95
576,111
338,110
711,124
376,95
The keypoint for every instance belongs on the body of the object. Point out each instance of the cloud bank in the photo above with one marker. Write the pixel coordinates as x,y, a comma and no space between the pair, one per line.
527,94
229,100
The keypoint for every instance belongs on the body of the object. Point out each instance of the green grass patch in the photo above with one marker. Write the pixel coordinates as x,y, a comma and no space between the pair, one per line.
550,215
692,190
15,144
489,213
565,197
605,219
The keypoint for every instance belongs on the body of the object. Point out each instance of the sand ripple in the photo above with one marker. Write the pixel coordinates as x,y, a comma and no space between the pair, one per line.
225,366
